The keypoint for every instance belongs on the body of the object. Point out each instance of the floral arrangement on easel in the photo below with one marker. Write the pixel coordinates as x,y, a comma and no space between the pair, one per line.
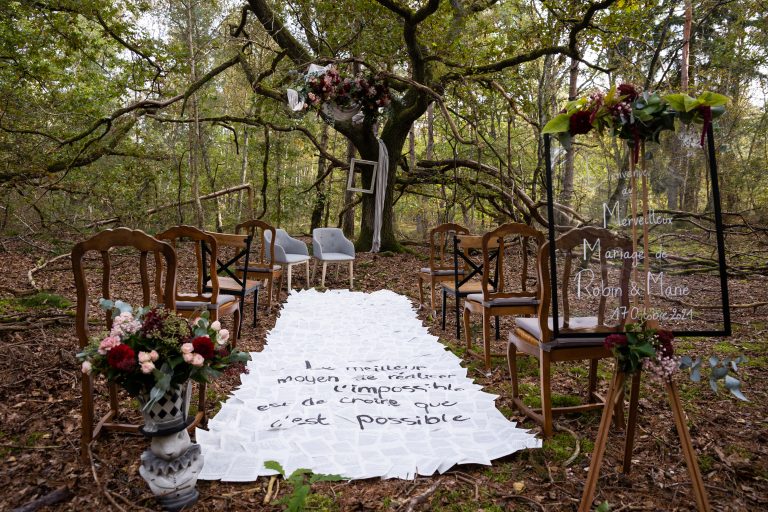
649,349
635,116
149,350
327,87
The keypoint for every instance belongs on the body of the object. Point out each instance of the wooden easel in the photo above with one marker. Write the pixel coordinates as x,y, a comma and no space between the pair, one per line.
617,385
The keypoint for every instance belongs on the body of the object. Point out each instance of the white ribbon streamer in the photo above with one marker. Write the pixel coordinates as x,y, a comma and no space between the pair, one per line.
381,190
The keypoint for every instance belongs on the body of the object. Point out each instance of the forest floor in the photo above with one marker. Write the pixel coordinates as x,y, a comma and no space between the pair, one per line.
40,419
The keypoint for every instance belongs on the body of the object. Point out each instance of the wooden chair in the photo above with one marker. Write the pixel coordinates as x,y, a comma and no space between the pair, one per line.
508,241
261,265
468,268
102,243
580,337
238,249
191,304
440,267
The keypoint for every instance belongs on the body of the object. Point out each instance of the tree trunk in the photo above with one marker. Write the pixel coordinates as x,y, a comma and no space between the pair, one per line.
348,221
243,176
321,194
566,193
194,132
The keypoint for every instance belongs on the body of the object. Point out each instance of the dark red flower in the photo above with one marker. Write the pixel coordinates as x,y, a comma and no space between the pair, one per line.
222,352
614,340
665,336
580,123
629,91
153,320
204,346
122,357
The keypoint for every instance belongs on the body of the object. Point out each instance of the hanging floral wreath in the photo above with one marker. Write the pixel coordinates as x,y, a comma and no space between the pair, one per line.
368,94
635,116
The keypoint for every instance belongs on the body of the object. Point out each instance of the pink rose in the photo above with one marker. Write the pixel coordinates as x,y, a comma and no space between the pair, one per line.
223,336
154,356
108,344
86,368
216,325
188,357
187,348
147,367
144,357
197,360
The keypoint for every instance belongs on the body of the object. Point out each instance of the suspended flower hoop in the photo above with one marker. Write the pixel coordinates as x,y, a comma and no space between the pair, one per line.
338,113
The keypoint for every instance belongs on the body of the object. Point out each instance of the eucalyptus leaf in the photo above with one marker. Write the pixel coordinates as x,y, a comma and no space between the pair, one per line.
106,304
719,372
123,307
734,386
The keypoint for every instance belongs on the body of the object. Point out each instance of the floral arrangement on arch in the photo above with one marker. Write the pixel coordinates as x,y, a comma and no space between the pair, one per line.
149,350
369,93
634,115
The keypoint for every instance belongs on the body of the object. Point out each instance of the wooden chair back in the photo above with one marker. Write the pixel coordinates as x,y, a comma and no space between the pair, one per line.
103,243
145,244
262,248
595,267
470,262
441,246
514,244
233,251
206,252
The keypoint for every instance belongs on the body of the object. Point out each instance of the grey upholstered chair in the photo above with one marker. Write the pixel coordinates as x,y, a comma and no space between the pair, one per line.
289,252
329,245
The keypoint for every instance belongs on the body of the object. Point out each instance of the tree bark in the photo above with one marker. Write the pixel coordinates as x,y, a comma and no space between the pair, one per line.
321,188
348,218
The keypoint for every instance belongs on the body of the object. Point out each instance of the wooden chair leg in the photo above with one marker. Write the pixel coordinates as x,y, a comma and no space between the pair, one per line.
237,320
592,387
322,275
498,329
629,440
280,285
421,290
546,393
290,268
458,323
270,280
255,305
432,295
351,275
337,271
306,264
314,270
86,416
467,330
445,296
512,364
487,338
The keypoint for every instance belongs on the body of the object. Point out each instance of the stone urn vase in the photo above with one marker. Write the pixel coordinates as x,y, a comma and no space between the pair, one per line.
173,462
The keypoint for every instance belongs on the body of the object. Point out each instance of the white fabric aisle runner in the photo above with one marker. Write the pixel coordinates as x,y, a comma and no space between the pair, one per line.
353,384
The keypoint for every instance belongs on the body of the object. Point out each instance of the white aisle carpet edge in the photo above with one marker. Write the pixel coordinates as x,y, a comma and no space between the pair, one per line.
353,384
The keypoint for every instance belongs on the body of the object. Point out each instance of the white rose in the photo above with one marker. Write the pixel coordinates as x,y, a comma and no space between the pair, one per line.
216,326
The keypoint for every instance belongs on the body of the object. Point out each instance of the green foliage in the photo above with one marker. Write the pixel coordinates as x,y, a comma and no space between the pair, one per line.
300,481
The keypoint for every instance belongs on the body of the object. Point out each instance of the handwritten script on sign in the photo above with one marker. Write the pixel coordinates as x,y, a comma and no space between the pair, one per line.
353,384
666,203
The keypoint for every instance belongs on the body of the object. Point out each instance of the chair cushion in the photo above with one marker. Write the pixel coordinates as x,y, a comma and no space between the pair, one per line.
510,301
230,285
195,304
291,259
427,270
336,256
531,326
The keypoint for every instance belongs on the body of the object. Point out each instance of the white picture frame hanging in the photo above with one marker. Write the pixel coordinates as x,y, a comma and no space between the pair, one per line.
356,169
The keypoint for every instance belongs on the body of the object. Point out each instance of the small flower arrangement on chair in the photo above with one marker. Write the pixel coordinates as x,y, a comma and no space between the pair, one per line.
149,351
